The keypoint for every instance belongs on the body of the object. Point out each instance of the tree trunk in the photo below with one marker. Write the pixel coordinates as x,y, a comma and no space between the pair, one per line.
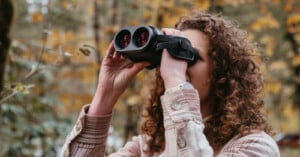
295,47
6,17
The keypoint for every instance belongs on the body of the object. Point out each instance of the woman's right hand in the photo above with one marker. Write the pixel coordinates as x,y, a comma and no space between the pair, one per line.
173,71
115,75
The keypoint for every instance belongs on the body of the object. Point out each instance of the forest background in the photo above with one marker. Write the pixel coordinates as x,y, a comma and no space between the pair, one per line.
51,51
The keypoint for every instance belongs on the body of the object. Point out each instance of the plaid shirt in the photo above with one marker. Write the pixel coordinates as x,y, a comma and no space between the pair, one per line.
183,134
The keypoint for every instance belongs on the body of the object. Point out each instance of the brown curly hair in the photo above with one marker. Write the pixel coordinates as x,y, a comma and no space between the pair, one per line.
235,88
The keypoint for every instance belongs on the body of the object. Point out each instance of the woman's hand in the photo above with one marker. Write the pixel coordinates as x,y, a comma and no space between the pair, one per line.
115,75
173,71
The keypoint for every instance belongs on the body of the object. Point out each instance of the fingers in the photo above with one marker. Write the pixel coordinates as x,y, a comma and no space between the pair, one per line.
144,64
165,59
110,51
165,54
115,58
137,67
172,31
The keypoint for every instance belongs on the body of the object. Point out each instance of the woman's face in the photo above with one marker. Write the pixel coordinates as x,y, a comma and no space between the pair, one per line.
199,74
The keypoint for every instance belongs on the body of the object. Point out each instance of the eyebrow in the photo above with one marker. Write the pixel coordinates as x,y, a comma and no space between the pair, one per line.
199,51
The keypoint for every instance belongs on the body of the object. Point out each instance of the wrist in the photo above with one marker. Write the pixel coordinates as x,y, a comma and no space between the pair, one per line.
173,82
184,85
102,103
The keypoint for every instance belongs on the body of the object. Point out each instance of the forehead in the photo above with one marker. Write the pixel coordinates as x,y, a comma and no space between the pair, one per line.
198,39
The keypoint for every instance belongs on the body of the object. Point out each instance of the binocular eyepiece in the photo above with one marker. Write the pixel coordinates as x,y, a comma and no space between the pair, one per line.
145,43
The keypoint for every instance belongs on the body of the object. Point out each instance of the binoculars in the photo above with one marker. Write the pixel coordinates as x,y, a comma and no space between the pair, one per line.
145,43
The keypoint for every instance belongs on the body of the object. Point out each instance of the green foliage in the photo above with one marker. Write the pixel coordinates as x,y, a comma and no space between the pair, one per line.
29,126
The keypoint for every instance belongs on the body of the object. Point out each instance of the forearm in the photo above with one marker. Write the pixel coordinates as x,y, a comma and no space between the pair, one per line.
103,102
183,125
92,140
88,136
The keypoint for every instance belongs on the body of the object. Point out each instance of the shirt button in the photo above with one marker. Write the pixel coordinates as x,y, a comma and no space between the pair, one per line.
181,143
176,106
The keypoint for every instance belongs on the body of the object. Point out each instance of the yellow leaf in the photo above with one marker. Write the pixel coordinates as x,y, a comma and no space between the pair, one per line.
250,37
296,60
265,39
293,20
277,66
263,9
72,105
202,4
171,17
256,26
133,22
54,39
269,51
265,22
273,87
167,3
180,11
68,35
112,28
147,14
288,110
24,89
288,7
36,17
269,43
289,119
69,5
90,9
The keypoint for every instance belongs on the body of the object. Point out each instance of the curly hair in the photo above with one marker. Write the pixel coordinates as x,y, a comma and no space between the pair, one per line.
235,87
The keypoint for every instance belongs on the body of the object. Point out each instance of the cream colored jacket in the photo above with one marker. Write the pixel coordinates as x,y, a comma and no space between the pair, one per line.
183,134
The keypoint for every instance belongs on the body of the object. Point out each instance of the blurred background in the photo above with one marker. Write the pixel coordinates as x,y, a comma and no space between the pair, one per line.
51,51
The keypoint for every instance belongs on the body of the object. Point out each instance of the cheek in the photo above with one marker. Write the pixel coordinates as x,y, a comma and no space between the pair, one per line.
203,83
202,75
200,78
200,68
203,87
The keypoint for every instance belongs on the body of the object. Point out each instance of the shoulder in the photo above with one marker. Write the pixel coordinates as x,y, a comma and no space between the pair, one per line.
253,144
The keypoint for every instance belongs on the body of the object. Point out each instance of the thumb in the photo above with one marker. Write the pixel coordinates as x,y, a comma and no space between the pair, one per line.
137,67
141,65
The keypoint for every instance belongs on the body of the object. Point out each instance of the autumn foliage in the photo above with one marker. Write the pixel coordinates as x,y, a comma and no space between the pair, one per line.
57,47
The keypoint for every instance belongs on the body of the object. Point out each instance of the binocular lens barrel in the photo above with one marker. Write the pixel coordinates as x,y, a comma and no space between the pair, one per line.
124,38
138,43
145,43
131,38
141,37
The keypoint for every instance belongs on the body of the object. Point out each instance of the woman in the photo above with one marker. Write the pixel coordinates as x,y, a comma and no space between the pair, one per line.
211,108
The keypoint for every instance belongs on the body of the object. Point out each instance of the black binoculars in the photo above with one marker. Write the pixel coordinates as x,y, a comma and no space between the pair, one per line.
145,43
